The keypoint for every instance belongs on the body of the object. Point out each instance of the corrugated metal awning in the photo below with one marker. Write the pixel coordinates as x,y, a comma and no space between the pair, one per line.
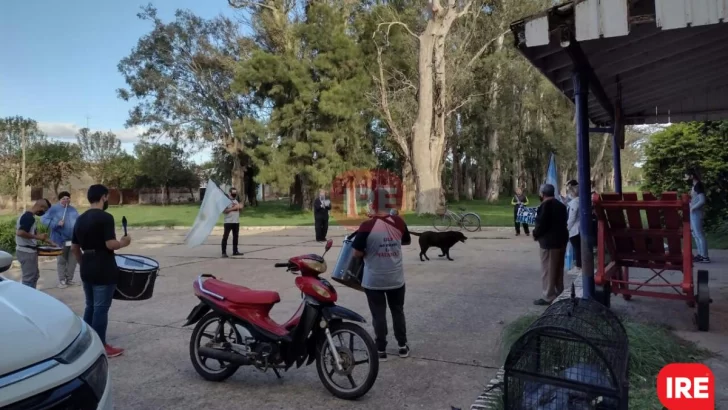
662,60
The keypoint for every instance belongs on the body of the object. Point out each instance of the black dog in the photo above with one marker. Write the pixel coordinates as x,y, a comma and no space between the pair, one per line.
442,240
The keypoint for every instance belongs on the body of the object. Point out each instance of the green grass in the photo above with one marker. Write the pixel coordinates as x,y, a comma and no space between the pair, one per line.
651,347
277,213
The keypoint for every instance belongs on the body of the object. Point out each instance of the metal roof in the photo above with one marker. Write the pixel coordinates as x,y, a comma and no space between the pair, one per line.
653,61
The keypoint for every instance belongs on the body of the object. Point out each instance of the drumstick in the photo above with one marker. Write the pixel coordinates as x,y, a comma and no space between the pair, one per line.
123,224
64,213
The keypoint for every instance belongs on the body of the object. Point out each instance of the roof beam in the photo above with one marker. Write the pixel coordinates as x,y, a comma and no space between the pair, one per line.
581,64
659,95
664,55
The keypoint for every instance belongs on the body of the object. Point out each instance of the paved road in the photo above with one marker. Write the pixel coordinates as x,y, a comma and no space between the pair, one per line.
455,313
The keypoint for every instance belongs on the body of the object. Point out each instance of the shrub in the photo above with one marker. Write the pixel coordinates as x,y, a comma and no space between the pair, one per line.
7,236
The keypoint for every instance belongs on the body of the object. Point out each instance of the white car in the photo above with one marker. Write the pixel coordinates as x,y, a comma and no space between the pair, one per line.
50,359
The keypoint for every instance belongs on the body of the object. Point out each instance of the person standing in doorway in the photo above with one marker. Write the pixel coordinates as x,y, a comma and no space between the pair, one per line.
321,208
573,224
26,238
697,215
93,245
519,200
61,219
552,236
379,241
232,223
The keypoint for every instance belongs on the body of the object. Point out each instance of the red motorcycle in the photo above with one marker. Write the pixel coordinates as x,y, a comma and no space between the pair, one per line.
234,329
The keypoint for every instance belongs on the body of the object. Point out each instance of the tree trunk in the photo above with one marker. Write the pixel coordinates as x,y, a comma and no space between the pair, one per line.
424,141
238,175
428,131
121,197
409,196
456,170
494,183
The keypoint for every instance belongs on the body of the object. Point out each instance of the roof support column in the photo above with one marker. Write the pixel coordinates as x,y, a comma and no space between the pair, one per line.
617,156
581,98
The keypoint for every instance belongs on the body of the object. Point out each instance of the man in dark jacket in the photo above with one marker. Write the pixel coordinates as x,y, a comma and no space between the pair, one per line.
321,208
552,235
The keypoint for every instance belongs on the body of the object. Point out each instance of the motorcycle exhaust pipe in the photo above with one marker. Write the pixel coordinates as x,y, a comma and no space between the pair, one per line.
230,357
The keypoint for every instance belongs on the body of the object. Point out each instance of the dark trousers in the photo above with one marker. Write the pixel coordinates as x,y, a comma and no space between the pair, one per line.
518,226
322,228
98,302
576,246
378,300
235,229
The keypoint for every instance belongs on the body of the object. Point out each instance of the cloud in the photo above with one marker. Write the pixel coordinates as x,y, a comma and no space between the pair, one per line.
68,131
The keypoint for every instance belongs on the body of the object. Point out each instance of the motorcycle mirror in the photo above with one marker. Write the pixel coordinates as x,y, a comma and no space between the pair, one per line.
329,244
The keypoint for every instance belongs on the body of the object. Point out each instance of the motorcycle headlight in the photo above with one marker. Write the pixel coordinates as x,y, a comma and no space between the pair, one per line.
78,347
96,376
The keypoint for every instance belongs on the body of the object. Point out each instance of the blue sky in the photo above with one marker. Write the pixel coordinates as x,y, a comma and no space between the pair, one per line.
59,60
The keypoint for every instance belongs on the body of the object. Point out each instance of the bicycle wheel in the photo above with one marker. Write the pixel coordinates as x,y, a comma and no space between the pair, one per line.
442,222
471,222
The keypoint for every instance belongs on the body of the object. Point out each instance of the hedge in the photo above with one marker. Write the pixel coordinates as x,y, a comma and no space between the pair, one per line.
7,234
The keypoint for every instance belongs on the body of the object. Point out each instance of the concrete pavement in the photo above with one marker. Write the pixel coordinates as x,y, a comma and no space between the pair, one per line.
455,313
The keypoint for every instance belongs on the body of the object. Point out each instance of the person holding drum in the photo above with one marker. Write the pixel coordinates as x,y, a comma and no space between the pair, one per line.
231,223
60,219
26,237
379,241
93,244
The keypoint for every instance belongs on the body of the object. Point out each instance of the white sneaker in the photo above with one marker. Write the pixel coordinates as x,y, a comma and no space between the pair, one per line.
70,282
63,284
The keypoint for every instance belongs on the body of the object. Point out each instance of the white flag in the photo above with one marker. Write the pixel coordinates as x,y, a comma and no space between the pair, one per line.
213,204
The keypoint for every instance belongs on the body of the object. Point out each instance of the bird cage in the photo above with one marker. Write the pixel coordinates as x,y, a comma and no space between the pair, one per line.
573,357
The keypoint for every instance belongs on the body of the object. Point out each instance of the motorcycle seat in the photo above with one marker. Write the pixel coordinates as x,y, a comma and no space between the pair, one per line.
241,294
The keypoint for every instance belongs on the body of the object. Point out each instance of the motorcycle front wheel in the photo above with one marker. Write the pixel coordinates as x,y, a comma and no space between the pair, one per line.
359,361
213,328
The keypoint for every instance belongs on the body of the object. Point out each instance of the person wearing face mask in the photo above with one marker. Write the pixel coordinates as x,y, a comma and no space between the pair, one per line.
697,214
93,245
26,238
60,219
232,223
552,236
321,208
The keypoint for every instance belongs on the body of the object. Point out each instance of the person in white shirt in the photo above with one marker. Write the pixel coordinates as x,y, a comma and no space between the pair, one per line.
573,225
232,223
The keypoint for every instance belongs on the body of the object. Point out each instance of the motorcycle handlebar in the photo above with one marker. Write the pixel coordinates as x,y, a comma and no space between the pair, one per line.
281,265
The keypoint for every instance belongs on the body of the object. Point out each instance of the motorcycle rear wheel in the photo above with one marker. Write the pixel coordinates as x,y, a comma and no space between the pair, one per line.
199,336
324,361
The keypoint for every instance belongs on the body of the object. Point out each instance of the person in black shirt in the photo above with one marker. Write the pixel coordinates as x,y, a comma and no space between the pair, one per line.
93,245
552,235
321,208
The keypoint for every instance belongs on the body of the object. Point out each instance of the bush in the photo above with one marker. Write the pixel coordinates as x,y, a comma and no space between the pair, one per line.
7,236
696,145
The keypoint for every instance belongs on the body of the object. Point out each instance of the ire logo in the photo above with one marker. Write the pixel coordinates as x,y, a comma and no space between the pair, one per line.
686,386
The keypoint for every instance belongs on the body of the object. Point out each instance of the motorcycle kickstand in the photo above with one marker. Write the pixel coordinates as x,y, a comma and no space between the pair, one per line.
277,374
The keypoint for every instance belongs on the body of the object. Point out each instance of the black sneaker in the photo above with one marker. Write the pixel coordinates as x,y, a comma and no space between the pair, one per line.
382,356
704,260
237,254
404,351
224,255
697,258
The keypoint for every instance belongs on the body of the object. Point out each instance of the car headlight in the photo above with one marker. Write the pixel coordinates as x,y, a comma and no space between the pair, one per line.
78,347
96,376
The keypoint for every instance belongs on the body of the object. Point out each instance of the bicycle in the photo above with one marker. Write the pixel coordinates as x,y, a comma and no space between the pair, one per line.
468,220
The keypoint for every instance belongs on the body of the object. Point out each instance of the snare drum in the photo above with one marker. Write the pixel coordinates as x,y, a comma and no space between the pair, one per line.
137,275
46,250
348,269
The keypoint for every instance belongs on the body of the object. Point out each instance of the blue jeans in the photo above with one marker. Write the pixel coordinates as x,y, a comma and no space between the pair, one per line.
98,302
696,226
